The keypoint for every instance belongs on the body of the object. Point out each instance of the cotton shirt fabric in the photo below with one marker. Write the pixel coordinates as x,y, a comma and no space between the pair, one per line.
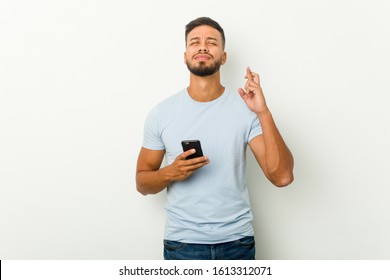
212,205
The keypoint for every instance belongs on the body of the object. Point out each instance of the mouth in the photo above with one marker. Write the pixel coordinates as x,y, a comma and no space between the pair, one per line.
202,57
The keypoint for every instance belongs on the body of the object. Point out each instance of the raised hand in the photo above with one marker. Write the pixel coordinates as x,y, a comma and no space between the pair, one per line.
253,94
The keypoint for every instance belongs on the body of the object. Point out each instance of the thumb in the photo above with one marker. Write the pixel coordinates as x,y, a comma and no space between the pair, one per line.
242,93
185,154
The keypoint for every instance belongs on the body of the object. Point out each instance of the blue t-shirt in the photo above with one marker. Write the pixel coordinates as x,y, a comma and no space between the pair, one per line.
212,205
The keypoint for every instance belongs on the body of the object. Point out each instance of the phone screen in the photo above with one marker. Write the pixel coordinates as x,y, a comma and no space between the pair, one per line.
192,144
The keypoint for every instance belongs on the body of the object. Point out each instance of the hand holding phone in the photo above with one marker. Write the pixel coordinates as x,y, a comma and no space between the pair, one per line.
188,162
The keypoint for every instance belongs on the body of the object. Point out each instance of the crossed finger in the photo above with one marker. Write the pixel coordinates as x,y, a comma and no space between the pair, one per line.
249,74
252,76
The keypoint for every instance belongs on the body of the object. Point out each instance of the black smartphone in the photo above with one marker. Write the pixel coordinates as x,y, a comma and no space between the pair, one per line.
192,144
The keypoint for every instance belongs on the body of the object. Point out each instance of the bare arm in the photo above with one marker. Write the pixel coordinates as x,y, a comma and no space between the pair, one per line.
269,149
274,157
151,179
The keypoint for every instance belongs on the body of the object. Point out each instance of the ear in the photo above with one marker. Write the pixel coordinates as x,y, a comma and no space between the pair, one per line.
185,57
224,58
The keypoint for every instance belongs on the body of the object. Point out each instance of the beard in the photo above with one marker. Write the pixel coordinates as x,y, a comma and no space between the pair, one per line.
202,70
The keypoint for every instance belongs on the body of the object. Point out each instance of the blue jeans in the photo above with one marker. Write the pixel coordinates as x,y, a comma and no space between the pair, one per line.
241,249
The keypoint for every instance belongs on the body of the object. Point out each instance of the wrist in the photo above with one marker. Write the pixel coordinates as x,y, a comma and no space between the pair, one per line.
164,175
264,113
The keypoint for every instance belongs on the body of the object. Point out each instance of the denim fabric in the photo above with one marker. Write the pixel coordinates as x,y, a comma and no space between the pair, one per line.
241,249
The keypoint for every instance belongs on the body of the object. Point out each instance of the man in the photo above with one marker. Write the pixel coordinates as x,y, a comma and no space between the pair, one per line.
208,210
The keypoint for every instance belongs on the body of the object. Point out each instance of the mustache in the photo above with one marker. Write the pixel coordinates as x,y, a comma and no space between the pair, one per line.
203,53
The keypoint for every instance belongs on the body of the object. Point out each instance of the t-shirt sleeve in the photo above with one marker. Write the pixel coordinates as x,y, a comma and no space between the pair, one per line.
255,129
152,134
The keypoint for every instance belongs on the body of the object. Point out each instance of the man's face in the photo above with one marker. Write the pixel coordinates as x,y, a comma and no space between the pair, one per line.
204,51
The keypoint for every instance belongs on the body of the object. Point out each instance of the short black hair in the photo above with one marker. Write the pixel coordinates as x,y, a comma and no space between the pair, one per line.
205,21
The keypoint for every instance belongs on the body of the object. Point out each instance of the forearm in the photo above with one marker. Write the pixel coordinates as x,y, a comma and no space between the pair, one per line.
152,182
279,160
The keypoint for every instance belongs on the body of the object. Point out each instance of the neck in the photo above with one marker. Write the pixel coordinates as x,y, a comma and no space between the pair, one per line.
205,89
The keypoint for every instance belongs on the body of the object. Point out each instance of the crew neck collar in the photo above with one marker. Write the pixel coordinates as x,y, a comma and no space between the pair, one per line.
218,99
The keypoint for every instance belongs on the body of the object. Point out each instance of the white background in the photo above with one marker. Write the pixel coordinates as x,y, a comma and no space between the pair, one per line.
78,77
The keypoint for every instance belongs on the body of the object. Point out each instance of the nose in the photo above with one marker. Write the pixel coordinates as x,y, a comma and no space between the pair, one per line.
203,48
